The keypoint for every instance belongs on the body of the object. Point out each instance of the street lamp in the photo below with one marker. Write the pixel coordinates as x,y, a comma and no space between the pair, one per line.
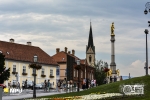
147,5
146,64
78,64
149,23
35,58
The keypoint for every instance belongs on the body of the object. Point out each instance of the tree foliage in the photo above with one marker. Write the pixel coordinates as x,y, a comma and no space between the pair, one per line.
100,71
4,72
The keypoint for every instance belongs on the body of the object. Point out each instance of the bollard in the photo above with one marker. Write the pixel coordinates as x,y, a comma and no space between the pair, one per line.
1,92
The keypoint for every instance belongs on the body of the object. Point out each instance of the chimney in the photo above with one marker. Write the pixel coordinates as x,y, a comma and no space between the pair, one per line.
66,49
57,50
12,40
29,43
73,52
68,52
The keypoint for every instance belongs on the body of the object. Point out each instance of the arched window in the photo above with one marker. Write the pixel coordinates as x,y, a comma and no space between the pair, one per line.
90,58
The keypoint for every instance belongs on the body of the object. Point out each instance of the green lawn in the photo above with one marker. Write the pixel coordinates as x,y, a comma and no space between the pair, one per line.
114,88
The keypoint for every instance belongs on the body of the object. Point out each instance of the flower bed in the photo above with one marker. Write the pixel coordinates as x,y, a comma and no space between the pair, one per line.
92,96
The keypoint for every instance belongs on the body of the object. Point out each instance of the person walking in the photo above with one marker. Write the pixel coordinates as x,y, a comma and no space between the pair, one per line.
26,84
48,85
23,85
9,84
45,86
18,85
110,79
59,85
65,84
94,82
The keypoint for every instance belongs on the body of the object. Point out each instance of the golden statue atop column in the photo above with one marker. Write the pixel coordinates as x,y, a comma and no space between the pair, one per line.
112,28
118,72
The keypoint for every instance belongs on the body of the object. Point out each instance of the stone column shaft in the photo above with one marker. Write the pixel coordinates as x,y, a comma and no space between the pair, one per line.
113,64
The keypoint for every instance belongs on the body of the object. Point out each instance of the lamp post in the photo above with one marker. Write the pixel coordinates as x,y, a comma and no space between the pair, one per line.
78,64
147,5
146,64
35,58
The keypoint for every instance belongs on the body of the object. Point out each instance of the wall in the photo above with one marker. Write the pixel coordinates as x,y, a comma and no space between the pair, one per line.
19,69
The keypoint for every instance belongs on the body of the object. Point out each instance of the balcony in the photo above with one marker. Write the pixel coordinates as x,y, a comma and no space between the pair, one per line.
14,72
24,73
51,76
43,75
34,74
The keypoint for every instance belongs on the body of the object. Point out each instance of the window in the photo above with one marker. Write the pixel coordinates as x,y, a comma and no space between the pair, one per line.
42,71
51,72
81,74
77,73
89,76
90,58
57,71
24,69
33,71
74,73
14,68
65,72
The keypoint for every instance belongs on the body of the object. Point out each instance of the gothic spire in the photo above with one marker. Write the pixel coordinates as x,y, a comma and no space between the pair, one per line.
90,41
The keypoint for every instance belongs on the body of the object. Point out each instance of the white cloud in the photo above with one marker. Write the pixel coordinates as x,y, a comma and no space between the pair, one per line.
52,24
135,69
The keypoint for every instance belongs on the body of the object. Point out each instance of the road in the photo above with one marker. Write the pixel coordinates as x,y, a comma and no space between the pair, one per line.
29,94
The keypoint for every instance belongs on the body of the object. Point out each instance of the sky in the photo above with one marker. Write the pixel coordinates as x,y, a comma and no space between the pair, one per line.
52,24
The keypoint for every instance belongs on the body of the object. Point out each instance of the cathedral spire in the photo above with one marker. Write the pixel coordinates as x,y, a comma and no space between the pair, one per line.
90,49
90,41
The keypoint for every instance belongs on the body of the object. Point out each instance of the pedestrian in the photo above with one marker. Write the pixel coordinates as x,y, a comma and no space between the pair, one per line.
45,84
18,85
87,83
83,84
48,85
105,81
71,85
59,85
26,84
23,85
94,82
9,84
115,78
110,79
65,84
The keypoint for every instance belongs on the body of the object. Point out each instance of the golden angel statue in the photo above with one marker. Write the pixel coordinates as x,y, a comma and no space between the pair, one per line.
112,29
109,73
118,72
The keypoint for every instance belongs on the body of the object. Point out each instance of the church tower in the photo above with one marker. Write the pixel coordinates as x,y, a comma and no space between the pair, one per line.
90,49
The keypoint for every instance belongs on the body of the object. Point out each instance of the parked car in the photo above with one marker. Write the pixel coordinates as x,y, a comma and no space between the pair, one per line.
38,86
3,85
30,84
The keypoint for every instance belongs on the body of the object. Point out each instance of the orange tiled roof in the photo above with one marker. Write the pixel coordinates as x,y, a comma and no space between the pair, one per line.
20,52
84,62
62,56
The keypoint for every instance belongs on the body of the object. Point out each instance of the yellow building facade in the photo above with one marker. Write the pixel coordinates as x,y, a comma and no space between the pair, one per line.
18,57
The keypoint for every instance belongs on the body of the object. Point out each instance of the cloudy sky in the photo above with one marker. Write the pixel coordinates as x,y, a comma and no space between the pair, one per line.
52,24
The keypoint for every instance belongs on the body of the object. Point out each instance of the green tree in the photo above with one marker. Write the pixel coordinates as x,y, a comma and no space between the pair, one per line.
100,71
4,72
